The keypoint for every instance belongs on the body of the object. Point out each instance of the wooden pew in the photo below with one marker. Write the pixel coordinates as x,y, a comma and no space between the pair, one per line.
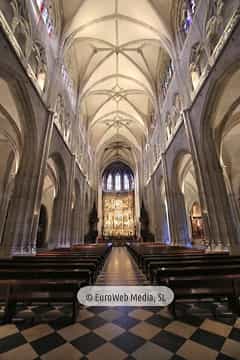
190,272
202,282
146,259
51,276
40,290
152,266
139,251
88,268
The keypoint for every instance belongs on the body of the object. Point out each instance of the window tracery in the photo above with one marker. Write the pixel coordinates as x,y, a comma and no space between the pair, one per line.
69,85
117,182
110,183
118,178
126,183
38,62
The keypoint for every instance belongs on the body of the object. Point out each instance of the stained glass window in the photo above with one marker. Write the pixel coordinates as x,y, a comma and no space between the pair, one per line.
126,183
118,182
118,177
110,183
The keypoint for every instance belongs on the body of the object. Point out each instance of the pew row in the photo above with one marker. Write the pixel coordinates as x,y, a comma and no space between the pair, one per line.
50,276
190,273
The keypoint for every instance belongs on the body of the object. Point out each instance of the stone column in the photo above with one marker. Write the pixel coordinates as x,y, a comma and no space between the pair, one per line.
23,213
137,200
232,197
82,211
76,221
100,208
176,210
169,199
220,227
181,221
58,226
157,209
197,168
69,218
5,201
85,209
164,227
42,171
152,208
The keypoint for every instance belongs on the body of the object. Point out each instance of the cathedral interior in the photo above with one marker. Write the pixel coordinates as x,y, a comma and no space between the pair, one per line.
119,166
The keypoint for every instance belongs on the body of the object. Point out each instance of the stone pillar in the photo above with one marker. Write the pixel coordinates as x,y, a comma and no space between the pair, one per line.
197,168
69,218
181,221
152,208
176,210
137,200
85,209
76,220
17,236
100,208
42,171
157,209
58,226
82,211
169,199
5,201
23,213
213,195
164,227
233,200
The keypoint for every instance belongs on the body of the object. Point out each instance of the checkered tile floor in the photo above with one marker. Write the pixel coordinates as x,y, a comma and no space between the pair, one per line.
121,333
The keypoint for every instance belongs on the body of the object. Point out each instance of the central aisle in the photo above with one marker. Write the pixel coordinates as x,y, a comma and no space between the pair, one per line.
121,269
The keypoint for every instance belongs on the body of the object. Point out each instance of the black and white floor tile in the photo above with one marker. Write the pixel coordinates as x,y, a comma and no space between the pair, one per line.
120,334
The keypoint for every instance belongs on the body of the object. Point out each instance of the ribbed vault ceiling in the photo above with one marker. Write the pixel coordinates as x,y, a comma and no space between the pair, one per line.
118,47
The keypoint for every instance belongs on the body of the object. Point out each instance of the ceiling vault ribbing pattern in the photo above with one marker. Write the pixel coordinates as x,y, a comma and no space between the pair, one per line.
117,47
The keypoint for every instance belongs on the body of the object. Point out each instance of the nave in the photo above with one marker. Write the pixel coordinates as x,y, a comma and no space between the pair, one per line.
46,330
119,165
121,269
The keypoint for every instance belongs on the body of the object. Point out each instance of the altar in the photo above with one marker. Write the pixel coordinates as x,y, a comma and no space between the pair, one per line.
118,214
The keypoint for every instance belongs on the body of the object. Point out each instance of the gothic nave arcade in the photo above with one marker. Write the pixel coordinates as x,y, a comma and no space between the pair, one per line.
155,89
